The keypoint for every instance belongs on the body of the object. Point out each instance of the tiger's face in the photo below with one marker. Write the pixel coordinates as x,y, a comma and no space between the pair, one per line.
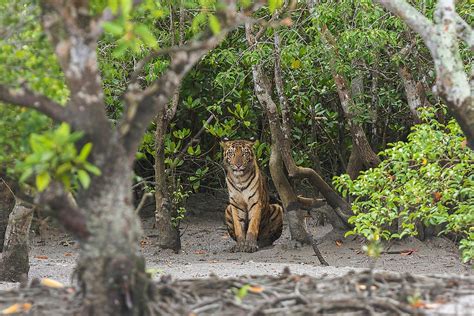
238,156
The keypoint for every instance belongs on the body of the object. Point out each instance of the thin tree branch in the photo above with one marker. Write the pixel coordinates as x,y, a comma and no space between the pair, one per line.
25,97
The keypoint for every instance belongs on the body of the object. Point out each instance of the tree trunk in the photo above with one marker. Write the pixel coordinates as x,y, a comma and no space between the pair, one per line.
7,202
111,270
414,99
294,213
14,263
296,218
168,234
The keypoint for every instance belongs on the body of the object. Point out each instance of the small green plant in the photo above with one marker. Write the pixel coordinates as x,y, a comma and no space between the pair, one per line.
178,197
241,293
54,157
429,179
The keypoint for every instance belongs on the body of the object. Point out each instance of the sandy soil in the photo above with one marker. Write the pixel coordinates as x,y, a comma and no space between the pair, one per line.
206,245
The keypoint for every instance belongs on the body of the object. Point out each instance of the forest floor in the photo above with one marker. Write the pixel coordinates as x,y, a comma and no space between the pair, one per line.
206,251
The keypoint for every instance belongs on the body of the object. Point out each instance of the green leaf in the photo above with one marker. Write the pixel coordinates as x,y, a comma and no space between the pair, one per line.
113,5
146,35
85,151
65,167
274,4
214,24
92,169
84,178
26,174
42,181
126,6
113,28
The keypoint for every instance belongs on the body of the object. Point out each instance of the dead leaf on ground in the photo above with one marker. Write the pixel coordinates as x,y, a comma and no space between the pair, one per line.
199,252
418,304
339,243
407,252
67,254
256,289
51,283
41,257
16,308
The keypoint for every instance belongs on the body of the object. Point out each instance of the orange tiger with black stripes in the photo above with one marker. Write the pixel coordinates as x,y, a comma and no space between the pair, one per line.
251,220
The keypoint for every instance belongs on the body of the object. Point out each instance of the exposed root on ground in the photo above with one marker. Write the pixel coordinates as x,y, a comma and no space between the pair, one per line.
287,294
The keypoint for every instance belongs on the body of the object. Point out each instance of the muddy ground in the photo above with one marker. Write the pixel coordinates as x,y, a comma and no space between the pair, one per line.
206,249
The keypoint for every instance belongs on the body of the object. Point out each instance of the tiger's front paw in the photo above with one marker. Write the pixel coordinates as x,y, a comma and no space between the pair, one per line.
250,246
238,246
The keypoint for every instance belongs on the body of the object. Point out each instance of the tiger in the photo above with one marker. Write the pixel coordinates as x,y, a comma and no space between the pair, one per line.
250,218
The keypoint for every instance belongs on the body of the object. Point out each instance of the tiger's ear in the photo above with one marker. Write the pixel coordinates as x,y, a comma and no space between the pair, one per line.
224,143
251,141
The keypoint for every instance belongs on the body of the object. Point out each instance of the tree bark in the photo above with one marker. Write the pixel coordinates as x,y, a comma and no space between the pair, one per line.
14,262
7,202
414,99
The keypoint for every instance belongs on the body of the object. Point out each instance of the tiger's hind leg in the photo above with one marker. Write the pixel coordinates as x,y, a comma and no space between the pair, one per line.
271,226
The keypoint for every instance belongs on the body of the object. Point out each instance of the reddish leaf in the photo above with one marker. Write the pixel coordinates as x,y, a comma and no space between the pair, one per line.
407,252
41,257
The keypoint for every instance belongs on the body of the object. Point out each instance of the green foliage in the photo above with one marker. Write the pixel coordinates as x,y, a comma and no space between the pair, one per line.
54,157
429,179
241,293
178,197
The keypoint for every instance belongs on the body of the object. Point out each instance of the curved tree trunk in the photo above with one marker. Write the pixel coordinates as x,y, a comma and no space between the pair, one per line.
14,261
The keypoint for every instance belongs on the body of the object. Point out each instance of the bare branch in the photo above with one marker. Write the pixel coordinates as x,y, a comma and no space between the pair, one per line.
25,97
64,208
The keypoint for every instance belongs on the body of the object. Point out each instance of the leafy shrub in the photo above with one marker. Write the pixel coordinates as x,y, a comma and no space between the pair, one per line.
54,157
428,179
